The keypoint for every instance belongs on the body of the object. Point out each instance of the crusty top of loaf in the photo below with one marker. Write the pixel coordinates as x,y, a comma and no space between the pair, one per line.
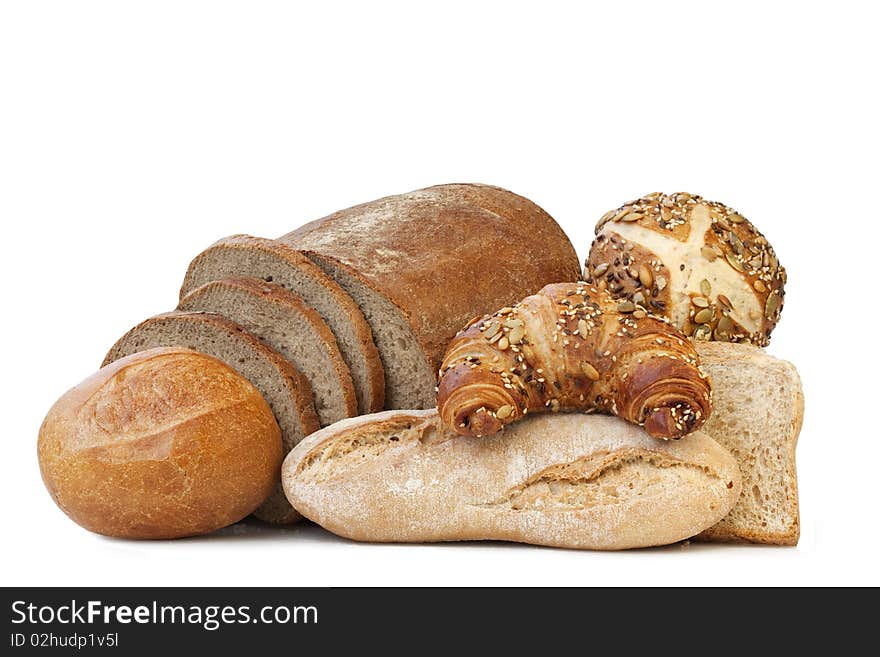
445,254
126,402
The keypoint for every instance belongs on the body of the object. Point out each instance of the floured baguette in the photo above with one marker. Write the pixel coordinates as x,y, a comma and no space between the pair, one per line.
564,480
758,409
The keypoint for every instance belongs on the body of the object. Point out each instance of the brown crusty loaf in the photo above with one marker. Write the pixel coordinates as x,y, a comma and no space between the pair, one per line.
253,257
422,264
758,412
286,390
572,347
567,480
293,329
699,262
162,444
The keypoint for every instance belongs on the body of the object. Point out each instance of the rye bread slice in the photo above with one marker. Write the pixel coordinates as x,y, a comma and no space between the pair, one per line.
286,390
254,257
286,323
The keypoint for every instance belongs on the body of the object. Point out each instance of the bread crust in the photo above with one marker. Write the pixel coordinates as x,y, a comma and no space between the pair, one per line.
279,296
371,399
563,480
730,530
297,387
444,254
164,443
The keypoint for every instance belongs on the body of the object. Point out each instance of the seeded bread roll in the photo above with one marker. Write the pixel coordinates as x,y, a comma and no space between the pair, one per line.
573,480
254,257
285,389
161,444
295,330
698,262
422,264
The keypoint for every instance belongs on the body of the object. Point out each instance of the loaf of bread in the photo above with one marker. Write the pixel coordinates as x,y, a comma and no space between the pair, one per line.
162,444
565,480
273,262
286,390
292,328
758,411
422,264
700,263
572,347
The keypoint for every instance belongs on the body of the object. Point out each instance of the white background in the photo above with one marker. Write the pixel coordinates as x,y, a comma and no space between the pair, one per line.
132,135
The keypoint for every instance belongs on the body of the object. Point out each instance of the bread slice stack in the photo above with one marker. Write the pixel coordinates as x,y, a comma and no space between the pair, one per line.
352,315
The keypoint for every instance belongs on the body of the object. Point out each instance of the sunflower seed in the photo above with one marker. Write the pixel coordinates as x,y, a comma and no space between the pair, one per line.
708,253
705,287
639,298
504,412
600,269
582,328
495,338
512,323
640,314
733,262
700,302
626,307
645,276
492,329
772,305
503,343
704,316
589,371
736,218
735,243
516,335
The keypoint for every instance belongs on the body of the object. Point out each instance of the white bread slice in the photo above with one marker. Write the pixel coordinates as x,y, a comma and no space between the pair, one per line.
757,413
565,480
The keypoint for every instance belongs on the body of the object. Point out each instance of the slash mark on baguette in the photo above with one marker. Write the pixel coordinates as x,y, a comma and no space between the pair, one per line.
606,478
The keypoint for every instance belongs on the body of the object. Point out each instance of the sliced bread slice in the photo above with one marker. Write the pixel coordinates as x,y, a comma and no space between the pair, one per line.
286,323
757,413
273,262
285,389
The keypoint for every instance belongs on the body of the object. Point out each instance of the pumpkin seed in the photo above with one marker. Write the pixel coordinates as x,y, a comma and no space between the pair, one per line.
735,242
724,301
605,219
759,286
700,302
492,329
512,323
495,338
704,316
772,305
600,269
646,278
708,253
589,371
503,343
516,335
626,307
736,218
724,325
631,216
703,332
705,287
504,412
733,262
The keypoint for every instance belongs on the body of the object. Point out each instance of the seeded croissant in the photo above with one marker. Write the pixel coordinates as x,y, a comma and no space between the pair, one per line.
572,347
